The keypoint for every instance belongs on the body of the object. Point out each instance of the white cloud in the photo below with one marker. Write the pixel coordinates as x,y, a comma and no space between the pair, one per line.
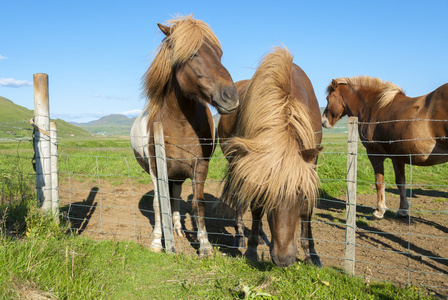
131,113
2,57
11,82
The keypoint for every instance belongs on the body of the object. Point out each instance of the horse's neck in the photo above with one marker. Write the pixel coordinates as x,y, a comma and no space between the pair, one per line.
188,113
182,108
360,103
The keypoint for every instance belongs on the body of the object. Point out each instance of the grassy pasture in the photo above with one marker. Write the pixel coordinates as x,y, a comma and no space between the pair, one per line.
39,259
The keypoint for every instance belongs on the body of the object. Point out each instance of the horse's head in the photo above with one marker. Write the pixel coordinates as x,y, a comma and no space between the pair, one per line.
284,222
335,105
196,62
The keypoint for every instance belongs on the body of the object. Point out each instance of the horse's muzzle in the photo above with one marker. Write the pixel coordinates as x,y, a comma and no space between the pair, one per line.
326,123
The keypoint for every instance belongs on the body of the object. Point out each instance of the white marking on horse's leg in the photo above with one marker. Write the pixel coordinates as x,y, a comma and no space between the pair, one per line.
205,247
176,198
380,191
378,214
156,244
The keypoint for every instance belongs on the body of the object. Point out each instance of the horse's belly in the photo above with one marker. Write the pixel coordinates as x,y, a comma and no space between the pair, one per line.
425,155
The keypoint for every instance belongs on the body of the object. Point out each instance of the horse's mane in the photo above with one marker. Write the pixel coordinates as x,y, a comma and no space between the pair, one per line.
186,37
272,128
388,90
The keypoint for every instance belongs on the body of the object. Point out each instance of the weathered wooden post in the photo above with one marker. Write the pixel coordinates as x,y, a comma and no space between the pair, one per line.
350,230
54,171
42,141
162,183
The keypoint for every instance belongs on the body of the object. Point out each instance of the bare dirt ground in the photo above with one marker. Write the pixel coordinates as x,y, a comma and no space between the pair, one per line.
405,251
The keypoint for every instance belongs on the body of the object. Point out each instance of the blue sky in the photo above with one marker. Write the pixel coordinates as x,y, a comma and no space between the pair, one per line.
95,52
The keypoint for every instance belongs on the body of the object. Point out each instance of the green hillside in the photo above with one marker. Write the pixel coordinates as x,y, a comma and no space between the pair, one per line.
14,122
114,124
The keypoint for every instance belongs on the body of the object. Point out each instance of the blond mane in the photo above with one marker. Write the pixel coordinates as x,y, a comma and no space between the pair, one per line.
267,166
186,36
388,90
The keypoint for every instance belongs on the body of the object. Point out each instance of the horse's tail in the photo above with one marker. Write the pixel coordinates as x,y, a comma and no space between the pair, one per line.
267,167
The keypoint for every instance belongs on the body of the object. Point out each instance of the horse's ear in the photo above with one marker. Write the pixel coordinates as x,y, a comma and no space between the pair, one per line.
334,84
309,155
165,29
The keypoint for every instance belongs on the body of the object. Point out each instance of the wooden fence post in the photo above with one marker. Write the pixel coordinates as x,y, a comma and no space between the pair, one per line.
162,183
350,229
54,171
42,141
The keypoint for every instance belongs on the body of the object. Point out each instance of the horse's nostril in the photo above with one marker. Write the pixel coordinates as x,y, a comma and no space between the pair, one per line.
228,94
225,95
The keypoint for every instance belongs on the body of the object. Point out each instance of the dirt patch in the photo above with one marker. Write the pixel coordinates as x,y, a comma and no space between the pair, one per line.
405,251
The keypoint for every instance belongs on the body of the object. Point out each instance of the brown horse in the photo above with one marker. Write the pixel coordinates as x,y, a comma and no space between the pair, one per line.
392,125
272,149
185,76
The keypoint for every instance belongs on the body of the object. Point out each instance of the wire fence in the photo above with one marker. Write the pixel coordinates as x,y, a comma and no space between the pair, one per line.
105,194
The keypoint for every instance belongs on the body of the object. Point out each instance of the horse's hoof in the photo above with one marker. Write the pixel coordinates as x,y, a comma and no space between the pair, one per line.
376,216
251,254
205,251
316,261
402,213
156,247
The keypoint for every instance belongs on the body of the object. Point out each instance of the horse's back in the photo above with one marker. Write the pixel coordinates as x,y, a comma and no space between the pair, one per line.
302,89
414,126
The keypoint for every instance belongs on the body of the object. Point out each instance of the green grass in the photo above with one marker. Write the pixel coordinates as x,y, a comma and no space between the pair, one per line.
36,256
78,268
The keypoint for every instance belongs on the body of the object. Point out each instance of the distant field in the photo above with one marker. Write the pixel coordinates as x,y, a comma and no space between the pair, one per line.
80,155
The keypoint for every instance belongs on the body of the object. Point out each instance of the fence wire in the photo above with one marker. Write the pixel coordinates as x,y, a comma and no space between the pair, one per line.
105,194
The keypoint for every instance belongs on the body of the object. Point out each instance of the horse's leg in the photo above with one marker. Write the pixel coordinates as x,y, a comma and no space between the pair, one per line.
252,243
198,205
156,244
400,180
378,166
306,237
175,191
262,237
239,240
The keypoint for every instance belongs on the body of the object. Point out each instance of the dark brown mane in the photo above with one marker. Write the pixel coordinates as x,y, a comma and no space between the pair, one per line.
272,127
186,37
388,89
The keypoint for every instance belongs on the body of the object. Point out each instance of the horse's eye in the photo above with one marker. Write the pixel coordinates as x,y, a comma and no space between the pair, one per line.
194,55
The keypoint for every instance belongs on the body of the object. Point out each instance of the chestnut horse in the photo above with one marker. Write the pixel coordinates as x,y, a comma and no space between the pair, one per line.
271,146
185,76
392,125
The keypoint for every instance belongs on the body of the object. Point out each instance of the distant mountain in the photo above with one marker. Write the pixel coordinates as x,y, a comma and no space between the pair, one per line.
114,124
14,122
117,124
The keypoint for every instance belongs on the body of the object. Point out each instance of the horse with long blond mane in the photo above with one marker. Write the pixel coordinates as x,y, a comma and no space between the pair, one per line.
271,143
185,76
391,125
